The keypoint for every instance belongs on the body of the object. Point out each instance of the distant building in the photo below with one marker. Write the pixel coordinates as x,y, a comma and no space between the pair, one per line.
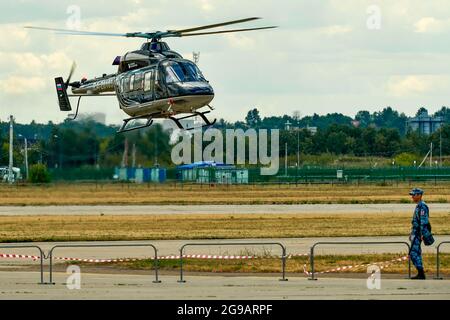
425,123
312,130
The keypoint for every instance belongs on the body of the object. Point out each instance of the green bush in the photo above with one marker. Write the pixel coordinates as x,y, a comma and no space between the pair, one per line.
406,159
39,174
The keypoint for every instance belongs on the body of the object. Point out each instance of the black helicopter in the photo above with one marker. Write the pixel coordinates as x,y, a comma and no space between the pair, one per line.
153,82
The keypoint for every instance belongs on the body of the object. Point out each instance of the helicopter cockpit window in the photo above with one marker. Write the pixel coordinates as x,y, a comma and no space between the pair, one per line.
182,72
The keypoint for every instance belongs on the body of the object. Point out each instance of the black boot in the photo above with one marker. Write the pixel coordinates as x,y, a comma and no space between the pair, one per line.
420,275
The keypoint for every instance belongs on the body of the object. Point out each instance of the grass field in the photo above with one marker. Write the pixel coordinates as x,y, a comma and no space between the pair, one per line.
167,227
121,194
294,265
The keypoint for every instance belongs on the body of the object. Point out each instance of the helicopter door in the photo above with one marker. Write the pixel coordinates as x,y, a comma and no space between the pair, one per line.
149,85
131,93
160,86
139,87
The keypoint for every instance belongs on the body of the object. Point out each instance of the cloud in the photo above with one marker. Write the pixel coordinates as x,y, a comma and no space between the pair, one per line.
432,25
13,36
335,30
16,85
416,85
241,41
205,5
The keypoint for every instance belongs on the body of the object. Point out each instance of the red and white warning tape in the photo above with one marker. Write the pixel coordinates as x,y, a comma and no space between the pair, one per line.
18,256
208,257
170,257
382,265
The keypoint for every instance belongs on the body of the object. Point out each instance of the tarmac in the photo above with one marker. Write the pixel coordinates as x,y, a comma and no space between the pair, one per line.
218,209
23,285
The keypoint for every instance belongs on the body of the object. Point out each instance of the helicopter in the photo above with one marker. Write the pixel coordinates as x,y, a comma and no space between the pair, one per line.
153,82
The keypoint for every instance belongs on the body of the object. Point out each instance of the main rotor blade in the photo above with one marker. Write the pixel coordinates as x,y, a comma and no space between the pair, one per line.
226,31
75,32
213,25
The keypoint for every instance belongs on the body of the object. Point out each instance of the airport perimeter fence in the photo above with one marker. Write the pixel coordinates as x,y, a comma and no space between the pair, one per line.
253,176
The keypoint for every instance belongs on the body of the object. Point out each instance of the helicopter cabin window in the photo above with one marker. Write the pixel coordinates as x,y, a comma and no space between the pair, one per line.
132,83
148,81
138,81
122,85
183,71
125,84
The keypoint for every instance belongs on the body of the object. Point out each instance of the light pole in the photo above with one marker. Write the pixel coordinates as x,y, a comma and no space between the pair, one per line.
298,153
26,154
59,153
11,140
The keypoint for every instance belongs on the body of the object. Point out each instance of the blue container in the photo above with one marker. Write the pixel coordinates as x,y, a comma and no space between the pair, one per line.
131,173
146,174
162,175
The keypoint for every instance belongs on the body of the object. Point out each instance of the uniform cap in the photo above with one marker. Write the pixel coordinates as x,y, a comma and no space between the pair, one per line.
416,191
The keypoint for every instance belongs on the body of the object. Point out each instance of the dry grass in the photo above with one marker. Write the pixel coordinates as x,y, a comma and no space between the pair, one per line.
226,226
294,265
97,194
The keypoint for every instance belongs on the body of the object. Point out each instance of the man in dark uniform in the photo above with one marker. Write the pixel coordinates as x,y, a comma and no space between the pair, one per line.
419,230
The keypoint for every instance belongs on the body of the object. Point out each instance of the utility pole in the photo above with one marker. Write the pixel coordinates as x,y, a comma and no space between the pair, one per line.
298,151
285,159
156,149
431,154
10,167
26,158
25,141
440,147
125,154
134,156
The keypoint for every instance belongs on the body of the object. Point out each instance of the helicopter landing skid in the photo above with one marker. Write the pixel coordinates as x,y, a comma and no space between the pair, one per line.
194,114
125,122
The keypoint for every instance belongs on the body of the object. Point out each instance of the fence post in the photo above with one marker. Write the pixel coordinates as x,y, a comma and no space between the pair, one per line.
283,264
181,266
50,255
438,260
311,258
437,263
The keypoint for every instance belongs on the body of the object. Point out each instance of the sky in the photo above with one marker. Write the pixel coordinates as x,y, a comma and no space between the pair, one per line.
324,57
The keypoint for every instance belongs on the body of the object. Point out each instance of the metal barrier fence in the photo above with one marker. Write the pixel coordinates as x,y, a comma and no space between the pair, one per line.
41,256
438,260
155,260
283,255
356,243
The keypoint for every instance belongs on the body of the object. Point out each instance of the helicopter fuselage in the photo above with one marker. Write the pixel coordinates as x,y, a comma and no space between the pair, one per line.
153,84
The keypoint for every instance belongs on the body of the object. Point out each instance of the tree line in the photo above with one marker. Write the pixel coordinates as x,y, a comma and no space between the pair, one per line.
88,143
